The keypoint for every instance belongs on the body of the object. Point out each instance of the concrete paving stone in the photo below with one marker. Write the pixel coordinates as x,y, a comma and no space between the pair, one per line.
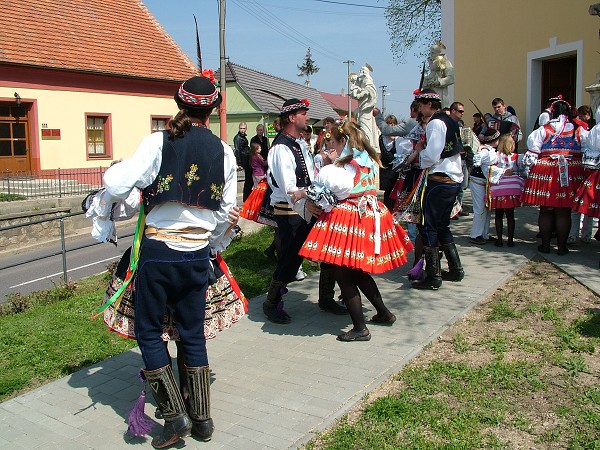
61,428
247,444
274,442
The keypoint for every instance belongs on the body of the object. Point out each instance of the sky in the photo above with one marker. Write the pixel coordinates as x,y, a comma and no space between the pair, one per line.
273,36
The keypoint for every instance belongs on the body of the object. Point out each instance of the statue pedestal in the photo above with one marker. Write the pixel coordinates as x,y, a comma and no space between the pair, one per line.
594,91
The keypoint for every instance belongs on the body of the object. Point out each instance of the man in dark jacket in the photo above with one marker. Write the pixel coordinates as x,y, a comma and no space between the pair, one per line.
242,155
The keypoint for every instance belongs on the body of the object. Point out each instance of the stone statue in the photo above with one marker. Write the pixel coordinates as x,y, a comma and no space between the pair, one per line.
441,72
363,89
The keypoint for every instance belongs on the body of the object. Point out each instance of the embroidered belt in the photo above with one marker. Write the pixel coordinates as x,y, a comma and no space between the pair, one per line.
167,234
283,209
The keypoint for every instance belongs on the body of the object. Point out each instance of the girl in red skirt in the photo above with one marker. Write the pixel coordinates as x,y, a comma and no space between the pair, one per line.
554,154
505,188
355,231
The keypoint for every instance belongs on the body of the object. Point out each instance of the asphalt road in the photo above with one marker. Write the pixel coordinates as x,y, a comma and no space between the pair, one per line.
42,266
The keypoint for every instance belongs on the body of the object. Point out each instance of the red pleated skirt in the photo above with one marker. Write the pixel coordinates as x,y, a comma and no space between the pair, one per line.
543,188
587,197
346,238
253,203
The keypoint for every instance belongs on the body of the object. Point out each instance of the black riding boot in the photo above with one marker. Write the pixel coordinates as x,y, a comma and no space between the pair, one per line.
168,398
327,291
199,384
273,306
455,270
433,278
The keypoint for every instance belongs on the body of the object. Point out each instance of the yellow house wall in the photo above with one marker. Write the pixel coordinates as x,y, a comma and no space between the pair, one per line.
492,40
130,116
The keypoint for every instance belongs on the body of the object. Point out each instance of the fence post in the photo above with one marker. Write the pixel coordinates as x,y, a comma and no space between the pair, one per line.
59,184
8,183
63,249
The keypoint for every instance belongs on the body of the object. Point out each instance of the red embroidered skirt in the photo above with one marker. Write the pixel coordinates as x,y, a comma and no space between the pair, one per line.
345,238
587,197
253,203
543,188
507,193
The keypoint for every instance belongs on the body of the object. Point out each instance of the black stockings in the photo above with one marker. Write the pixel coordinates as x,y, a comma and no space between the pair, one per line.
510,222
554,219
418,253
350,281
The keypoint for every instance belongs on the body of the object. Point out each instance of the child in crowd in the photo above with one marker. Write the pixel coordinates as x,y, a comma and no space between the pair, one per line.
505,188
258,163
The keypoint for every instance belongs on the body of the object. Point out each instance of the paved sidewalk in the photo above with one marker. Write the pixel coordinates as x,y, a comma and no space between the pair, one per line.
275,386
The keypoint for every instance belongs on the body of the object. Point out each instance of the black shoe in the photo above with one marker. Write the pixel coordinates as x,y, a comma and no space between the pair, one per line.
333,307
463,214
275,313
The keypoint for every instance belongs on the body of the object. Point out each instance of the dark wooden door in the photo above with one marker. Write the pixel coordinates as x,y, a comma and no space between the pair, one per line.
559,77
14,138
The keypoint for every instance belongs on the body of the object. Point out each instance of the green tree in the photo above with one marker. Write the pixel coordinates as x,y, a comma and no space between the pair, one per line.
308,68
413,24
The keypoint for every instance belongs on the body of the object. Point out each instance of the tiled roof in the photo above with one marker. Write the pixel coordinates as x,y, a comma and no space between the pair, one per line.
339,102
118,37
269,92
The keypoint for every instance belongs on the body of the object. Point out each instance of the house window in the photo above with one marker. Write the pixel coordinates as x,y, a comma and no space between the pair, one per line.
98,136
159,123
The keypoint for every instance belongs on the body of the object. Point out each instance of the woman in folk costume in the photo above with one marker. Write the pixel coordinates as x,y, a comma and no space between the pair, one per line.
587,197
478,178
505,188
189,184
355,232
553,163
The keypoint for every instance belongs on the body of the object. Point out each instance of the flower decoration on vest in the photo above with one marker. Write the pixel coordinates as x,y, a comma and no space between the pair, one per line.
210,74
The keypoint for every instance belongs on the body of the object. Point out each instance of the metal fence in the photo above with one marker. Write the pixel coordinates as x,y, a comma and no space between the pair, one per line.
18,185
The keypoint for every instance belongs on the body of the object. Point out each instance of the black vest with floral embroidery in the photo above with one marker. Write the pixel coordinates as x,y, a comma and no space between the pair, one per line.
454,144
191,171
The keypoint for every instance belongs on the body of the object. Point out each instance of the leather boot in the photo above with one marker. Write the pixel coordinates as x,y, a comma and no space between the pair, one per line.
199,383
455,270
273,306
433,278
168,398
327,291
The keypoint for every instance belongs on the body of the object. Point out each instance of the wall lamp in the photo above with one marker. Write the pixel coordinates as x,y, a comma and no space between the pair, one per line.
18,99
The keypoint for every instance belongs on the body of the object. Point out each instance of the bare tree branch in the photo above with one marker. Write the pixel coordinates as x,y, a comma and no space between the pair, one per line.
413,24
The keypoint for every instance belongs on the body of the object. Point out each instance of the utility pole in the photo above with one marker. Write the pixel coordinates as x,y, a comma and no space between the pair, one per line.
349,98
222,77
383,99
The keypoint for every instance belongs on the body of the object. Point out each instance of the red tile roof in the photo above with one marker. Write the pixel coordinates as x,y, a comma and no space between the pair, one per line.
119,37
339,102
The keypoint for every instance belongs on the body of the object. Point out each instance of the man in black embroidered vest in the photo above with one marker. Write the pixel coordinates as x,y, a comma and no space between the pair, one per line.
290,169
441,158
189,185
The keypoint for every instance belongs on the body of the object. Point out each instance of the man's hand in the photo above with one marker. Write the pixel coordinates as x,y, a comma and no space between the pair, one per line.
234,215
419,146
376,111
313,209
